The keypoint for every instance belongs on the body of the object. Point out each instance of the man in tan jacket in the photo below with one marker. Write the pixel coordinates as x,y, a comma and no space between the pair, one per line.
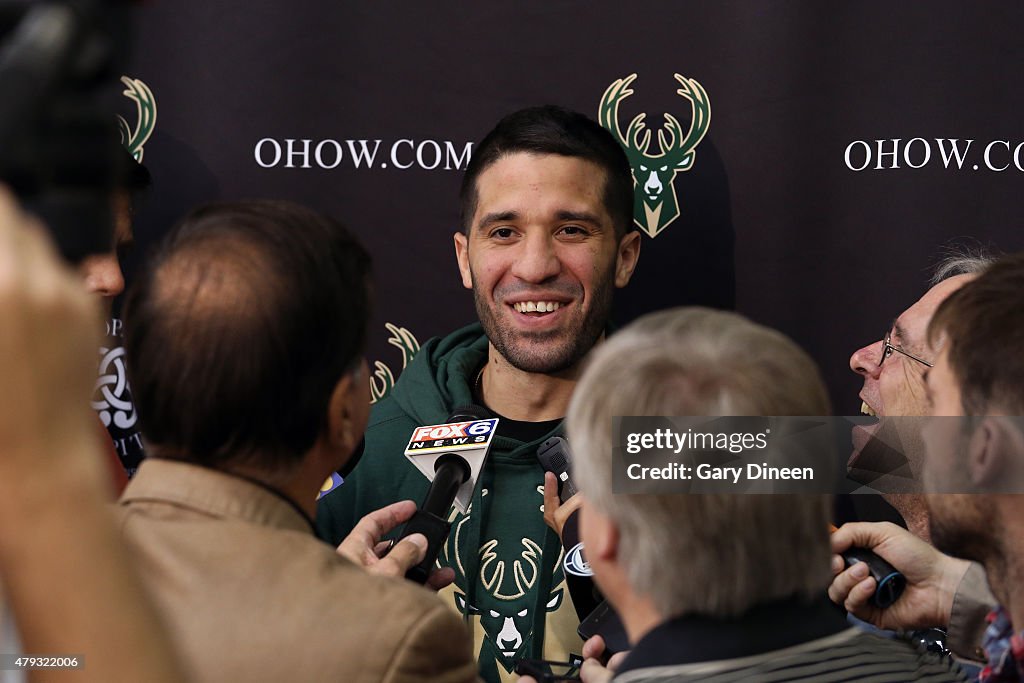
244,340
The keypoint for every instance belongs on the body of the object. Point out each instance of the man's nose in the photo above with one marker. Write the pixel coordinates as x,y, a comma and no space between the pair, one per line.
103,275
538,259
864,360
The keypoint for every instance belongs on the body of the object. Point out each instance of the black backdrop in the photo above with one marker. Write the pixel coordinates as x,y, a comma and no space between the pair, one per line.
776,219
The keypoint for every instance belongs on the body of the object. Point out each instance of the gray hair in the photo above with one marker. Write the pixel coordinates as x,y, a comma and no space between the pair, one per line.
727,552
961,261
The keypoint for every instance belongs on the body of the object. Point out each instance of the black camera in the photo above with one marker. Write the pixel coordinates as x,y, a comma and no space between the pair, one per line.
59,143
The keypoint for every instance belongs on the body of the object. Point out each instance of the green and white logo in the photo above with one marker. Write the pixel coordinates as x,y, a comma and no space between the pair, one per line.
134,140
383,380
654,175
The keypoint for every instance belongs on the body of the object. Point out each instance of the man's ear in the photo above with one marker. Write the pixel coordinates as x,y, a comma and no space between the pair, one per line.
994,452
462,256
627,257
603,535
343,432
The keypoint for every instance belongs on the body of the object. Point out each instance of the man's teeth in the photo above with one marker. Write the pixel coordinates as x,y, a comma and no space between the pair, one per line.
536,306
865,409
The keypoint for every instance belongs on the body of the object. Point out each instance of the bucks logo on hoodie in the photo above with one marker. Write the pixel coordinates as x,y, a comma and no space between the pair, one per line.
513,587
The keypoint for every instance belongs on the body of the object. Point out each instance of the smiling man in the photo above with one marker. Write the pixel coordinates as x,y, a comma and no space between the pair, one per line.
893,369
941,591
547,236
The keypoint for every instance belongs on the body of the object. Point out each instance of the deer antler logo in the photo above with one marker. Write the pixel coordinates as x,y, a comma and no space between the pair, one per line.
135,139
656,205
504,603
383,380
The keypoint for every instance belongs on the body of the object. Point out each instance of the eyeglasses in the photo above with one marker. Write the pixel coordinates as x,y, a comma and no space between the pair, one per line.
888,348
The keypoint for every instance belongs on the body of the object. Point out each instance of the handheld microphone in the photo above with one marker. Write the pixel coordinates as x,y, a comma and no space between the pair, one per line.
597,617
554,456
451,456
889,583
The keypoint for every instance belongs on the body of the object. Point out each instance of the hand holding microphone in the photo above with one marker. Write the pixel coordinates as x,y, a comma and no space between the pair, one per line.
557,511
561,502
451,455
560,499
889,583
430,521
364,545
931,577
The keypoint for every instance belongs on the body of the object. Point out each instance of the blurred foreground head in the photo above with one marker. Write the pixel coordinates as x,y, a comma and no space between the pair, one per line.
103,273
245,337
705,554
977,335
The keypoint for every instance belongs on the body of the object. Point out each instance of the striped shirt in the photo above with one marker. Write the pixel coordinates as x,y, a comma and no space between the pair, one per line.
784,641
851,655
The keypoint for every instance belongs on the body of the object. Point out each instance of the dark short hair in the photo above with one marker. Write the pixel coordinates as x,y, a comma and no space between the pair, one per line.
239,330
555,130
984,326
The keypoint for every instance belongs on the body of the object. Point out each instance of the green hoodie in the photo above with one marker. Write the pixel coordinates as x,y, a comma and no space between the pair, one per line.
509,581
